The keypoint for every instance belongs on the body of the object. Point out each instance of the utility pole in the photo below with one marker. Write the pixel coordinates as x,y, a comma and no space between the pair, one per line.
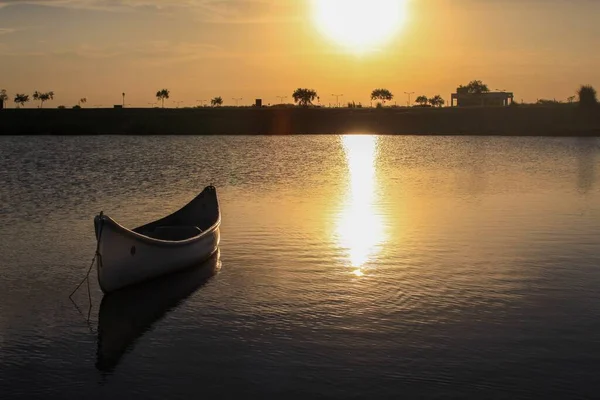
409,93
151,104
201,102
337,99
178,103
123,99
237,100
281,98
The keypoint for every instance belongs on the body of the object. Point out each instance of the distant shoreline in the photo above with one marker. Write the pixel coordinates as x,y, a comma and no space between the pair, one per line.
570,121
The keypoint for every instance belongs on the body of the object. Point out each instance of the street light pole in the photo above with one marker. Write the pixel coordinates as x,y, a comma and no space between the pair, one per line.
409,93
337,99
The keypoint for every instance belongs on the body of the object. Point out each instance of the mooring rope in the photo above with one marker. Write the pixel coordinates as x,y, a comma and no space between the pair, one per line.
98,256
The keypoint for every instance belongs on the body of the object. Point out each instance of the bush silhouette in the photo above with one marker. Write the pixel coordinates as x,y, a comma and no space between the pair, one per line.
587,96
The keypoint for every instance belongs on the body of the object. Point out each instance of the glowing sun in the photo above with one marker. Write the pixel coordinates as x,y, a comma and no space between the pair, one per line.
359,25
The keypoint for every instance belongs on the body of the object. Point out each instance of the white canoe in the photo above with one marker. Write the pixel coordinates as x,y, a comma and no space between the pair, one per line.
187,237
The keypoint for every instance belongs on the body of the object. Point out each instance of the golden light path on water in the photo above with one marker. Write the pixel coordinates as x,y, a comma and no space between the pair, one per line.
360,227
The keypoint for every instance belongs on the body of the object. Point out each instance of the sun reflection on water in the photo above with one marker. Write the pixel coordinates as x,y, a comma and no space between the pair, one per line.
360,226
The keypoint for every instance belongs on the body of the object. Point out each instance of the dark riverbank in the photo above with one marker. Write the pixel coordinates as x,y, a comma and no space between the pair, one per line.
509,121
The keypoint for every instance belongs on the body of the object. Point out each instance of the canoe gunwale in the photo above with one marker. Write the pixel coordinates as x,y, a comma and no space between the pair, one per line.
106,220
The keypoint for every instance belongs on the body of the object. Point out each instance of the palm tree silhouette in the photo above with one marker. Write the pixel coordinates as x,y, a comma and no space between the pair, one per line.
162,95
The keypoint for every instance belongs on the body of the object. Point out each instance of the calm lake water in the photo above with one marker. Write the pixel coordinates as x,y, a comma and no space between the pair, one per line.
350,267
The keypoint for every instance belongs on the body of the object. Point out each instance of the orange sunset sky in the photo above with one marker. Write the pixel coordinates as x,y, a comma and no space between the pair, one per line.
266,48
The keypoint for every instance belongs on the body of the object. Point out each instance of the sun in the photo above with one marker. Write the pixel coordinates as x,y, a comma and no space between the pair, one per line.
359,25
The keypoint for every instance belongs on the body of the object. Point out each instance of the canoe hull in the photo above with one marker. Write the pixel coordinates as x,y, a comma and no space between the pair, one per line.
127,257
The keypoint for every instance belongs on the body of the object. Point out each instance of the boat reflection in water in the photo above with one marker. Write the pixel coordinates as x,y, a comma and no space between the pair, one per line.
360,227
127,314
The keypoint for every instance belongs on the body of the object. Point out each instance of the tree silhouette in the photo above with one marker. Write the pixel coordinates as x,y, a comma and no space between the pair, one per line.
43,97
475,87
162,95
382,94
217,102
21,99
304,97
437,101
587,96
422,101
3,96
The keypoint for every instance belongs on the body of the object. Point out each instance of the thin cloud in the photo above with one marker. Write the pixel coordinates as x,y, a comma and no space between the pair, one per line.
249,11
162,52
101,5
213,11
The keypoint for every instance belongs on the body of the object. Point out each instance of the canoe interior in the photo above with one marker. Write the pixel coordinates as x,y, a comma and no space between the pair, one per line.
196,217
